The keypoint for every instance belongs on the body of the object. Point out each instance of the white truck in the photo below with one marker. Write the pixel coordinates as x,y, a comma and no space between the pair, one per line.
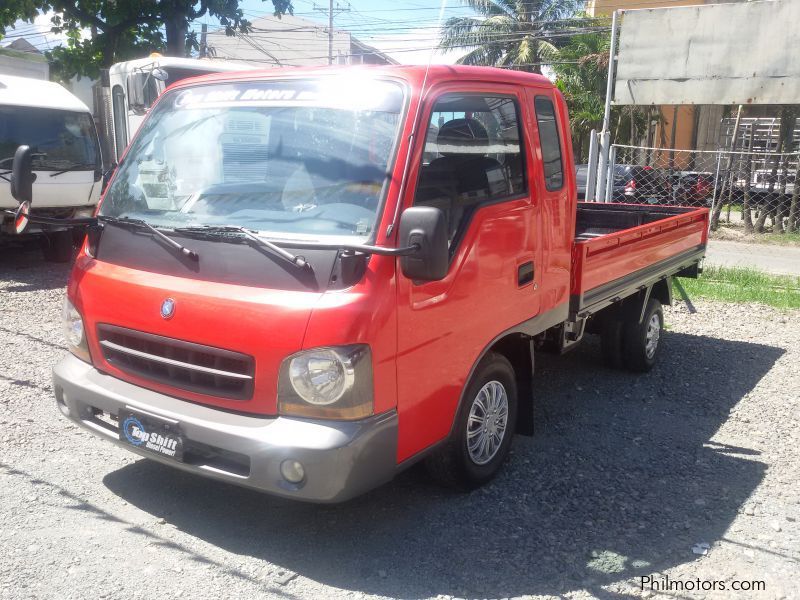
67,162
135,84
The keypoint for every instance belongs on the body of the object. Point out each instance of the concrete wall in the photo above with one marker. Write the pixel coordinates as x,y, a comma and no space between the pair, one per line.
737,53
598,8
697,127
23,64
82,88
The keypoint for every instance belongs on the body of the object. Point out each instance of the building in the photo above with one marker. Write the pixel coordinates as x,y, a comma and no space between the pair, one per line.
291,41
22,59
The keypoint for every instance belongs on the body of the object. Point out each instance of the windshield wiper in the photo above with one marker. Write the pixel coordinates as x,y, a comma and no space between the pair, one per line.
220,230
145,225
362,248
74,167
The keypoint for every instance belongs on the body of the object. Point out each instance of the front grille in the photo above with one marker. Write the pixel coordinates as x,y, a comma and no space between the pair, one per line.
57,212
183,365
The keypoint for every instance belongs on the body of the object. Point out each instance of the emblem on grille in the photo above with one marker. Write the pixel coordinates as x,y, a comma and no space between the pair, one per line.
168,308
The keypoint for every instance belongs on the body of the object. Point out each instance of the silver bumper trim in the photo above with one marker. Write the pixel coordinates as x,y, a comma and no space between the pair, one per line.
341,458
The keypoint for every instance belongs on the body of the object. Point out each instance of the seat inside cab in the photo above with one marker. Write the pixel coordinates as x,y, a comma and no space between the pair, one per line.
472,156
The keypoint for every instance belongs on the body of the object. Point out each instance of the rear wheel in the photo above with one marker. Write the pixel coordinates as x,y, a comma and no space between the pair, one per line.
483,430
641,342
57,246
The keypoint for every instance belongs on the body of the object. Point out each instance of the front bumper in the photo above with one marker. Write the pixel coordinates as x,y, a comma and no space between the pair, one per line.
341,458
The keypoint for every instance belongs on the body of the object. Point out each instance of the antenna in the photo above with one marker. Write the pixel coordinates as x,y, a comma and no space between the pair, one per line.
414,123
430,56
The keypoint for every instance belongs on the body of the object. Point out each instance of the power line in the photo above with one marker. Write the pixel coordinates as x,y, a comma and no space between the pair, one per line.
331,10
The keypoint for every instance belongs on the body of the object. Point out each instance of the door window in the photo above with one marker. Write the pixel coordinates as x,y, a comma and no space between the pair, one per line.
120,120
472,157
550,143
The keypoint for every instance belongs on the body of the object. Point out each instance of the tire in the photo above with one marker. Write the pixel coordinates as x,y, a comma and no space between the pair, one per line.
78,235
57,246
611,342
641,342
466,467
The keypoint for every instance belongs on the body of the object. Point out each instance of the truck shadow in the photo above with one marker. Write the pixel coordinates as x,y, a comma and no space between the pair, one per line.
23,265
620,480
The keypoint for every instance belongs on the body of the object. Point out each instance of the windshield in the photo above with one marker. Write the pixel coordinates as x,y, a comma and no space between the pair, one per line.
295,159
63,139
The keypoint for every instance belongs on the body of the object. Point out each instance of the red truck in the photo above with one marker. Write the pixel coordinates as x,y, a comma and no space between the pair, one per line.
304,281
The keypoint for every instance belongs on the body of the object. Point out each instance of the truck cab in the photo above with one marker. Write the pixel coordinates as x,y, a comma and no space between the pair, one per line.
135,85
67,164
304,281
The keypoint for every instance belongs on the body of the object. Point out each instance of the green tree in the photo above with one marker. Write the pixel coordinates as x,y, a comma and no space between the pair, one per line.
581,69
508,33
124,29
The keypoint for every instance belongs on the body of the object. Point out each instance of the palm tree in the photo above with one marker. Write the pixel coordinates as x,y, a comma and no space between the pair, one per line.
580,69
507,33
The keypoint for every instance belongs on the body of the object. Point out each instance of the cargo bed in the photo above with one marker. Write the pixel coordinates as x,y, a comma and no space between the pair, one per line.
622,248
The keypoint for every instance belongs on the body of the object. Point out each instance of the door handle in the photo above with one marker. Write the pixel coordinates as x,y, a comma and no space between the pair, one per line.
525,273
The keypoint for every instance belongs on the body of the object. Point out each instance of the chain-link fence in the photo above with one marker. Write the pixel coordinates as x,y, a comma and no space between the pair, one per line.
753,189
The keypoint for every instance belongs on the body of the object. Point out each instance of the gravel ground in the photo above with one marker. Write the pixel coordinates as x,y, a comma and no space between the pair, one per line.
625,475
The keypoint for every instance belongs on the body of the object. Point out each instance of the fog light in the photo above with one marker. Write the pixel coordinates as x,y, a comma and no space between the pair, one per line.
293,471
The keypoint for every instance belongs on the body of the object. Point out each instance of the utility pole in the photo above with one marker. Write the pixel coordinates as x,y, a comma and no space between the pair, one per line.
330,32
204,41
605,134
331,10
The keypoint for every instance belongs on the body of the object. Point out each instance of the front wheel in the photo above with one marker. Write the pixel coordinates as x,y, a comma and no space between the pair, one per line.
483,429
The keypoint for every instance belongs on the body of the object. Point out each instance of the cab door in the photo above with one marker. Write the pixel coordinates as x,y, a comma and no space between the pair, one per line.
555,193
472,165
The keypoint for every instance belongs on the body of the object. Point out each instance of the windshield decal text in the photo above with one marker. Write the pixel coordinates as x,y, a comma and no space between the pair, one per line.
195,98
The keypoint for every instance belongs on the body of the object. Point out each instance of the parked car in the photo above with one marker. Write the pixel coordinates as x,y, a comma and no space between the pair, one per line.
581,178
641,185
765,180
318,308
694,188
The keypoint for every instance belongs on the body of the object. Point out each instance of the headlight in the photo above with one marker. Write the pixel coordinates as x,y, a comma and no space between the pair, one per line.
334,383
321,376
73,331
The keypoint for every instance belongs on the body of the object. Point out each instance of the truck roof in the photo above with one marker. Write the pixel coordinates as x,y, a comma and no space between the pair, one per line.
38,93
174,61
414,74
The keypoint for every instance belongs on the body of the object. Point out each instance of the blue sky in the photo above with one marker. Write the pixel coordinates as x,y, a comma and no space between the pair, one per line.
402,29
405,30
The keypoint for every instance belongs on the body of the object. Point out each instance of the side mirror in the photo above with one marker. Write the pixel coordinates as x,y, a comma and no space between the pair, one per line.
425,227
136,83
22,175
159,74
21,217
